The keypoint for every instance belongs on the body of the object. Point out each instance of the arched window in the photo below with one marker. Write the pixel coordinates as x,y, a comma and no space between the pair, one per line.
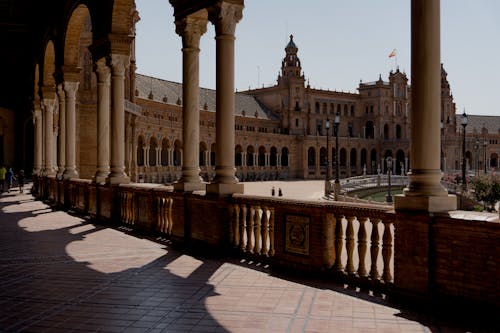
262,156
363,157
353,157
398,131
164,152
352,111
274,157
284,157
311,157
203,154
140,151
322,157
386,132
250,153
346,111
177,153
342,157
152,151
238,151
316,107
369,130
325,108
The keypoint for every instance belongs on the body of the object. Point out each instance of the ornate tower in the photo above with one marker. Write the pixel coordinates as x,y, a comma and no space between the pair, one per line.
291,84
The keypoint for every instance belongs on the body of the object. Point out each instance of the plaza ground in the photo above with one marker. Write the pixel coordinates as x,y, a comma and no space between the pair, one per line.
62,273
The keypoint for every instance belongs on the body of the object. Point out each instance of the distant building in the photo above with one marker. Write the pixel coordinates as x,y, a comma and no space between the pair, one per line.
281,130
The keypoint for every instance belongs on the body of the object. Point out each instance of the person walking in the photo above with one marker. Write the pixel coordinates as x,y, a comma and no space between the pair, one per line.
20,180
9,177
3,171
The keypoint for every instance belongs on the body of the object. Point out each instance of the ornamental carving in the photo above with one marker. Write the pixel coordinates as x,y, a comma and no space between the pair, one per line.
225,16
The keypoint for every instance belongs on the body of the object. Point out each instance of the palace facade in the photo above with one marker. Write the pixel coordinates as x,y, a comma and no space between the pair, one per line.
281,131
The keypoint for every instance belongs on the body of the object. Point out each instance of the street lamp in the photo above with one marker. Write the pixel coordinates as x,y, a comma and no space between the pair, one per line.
464,125
337,171
328,166
485,143
476,153
388,197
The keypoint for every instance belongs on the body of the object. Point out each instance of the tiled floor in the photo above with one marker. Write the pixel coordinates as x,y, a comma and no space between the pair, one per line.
59,273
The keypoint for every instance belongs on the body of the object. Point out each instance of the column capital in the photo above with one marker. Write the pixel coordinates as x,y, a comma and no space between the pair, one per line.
102,70
191,28
60,92
119,62
70,87
49,103
224,16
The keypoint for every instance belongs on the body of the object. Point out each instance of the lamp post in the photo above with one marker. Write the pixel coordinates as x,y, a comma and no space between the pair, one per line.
337,170
476,153
388,197
464,125
328,166
485,143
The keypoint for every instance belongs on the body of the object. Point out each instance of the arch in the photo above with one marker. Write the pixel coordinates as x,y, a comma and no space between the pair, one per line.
386,132
238,156
400,161
212,154
369,130
322,157
311,157
364,155
79,22
123,16
343,157
140,151
153,144
49,65
177,153
373,160
262,156
353,157
284,156
250,154
494,160
398,131
325,108
273,161
164,151
203,154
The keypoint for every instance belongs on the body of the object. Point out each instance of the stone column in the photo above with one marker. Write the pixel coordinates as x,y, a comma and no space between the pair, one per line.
425,192
119,63
225,16
103,74
70,89
37,122
62,131
191,29
49,104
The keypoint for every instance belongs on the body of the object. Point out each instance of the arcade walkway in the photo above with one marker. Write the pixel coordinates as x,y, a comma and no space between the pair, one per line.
60,273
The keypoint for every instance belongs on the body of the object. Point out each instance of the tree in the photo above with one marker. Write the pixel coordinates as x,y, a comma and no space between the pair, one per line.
487,189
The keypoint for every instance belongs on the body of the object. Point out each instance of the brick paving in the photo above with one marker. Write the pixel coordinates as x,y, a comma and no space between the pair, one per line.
61,273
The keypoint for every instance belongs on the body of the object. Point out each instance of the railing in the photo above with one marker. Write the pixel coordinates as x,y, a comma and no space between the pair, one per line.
354,241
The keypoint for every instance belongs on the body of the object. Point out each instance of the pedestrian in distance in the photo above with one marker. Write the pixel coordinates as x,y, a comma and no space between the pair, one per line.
273,191
280,193
20,180
9,178
3,172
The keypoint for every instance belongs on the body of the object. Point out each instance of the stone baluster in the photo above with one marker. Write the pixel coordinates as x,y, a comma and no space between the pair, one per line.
374,249
235,239
350,245
339,244
250,238
362,246
265,231
243,227
387,251
328,240
271,232
257,230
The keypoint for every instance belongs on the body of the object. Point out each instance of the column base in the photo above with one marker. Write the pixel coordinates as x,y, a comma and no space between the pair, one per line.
116,180
51,172
68,174
431,204
189,186
225,189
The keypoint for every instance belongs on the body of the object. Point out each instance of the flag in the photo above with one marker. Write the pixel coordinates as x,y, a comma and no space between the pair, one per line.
392,54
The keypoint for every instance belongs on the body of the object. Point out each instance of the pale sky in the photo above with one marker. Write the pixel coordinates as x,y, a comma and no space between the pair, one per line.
340,43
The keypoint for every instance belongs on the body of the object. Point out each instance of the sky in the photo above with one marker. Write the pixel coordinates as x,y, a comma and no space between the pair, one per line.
340,43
